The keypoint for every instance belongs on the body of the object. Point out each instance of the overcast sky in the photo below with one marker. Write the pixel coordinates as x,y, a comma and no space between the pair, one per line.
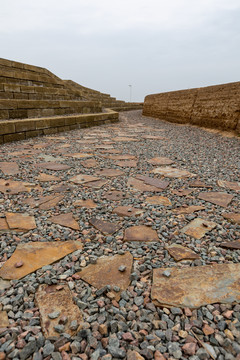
107,45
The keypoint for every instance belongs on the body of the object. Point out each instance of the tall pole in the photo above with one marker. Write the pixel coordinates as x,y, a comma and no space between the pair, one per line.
130,88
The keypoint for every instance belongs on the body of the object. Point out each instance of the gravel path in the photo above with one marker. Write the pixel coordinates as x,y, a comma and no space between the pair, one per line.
133,326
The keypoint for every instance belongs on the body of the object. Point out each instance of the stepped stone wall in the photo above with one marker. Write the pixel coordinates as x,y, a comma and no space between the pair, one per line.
212,106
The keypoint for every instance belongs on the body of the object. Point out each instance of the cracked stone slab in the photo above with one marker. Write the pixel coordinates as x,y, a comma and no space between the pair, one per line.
127,211
9,167
105,272
35,255
139,185
57,298
188,209
96,184
198,228
4,322
182,192
217,198
160,161
158,183
172,172
140,233
20,221
46,177
83,179
44,202
105,227
53,166
233,185
115,195
158,200
233,217
109,172
179,252
66,220
89,204
196,286
231,244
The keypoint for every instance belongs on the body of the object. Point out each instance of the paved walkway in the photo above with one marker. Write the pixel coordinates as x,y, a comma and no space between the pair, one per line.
107,235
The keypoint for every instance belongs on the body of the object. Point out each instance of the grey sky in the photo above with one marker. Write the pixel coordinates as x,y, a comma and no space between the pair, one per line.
154,45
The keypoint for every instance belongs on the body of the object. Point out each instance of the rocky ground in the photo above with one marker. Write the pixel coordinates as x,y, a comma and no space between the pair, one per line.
111,310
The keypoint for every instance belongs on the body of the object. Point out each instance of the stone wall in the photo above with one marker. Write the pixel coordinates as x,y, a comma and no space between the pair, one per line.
212,106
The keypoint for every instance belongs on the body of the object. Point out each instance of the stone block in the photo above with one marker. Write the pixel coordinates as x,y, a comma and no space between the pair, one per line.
25,125
7,127
8,104
50,131
14,137
33,133
58,121
18,114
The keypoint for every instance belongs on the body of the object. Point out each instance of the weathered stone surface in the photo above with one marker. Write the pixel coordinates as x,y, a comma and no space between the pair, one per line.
121,157
53,166
231,244
13,187
139,185
182,192
199,184
65,220
196,286
198,228
153,137
19,221
172,172
89,204
49,299
96,184
233,185
4,284
161,161
124,139
215,197
126,163
9,168
188,209
158,183
104,226
114,195
44,202
140,233
79,155
158,200
109,172
233,217
89,163
4,225
179,252
105,272
46,177
3,319
35,255
127,211
83,179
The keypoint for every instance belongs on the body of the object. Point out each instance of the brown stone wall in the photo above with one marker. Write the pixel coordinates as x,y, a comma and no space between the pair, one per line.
212,106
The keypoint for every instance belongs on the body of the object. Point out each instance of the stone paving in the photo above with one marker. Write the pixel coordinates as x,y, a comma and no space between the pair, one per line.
121,242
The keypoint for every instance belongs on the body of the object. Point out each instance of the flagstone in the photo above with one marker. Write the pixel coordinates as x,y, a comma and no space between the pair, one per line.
114,195
105,272
172,172
90,163
44,202
234,217
53,166
196,286
233,185
199,183
89,204
109,172
35,255
121,157
124,139
13,187
127,211
4,225
217,198
9,167
110,151
153,137
65,220
49,158
162,184
160,161
83,179
188,209
104,227
20,221
179,252
182,192
231,244
198,228
96,184
140,233
4,322
62,187
139,185
158,200
104,147
79,155
126,163
46,177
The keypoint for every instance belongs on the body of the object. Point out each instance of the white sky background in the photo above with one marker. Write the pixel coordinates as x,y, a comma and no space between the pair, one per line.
154,45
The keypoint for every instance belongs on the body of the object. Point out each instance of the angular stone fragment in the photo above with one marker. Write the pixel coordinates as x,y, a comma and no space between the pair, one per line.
161,184
12,187
197,286
35,255
83,179
127,211
198,228
139,185
62,187
44,202
96,184
79,155
4,322
231,244
65,220
48,300
172,172
89,204
188,209
160,161
182,192
109,172
53,166
19,221
46,177
233,217
158,200
179,252
89,163
126,163
114,195
9,168
105,272
104,226
215,197
140,233
4,284
199,183
233,185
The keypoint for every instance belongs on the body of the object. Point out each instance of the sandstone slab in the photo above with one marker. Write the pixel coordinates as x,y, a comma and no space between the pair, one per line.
126,163
188,209
179,252
217,198
172,172
52,299
114,195
198,228
231,244
127,211
158,183
89,163
96,184
196,286
21,222
35,255
158,200
13,187
4,322
83,179
160,161
233,217
182,192
53,166
9,167
104,227
199,184
79,155
140,233
89,204
139,185
109,172
233,185
44,202
46,177
66,220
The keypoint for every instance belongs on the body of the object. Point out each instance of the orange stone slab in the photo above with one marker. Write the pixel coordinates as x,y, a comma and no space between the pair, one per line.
231,244
158,200
44,202
35,255
160,161
188,209
96,184
110,151
121,157
105,272
161,184
234,217
114,195
65,220
62,187
90,163
127,211
139,185
89,204
198,228
53,166
179,252
217,198
79,155
51,299
19,221
182,192
126,163
196,286
124,139
104,226
4,225
12,187
9,168
199,183
109,172
233,185
46,177
140,233
172,172
153,137
83,179
4,322
51,203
